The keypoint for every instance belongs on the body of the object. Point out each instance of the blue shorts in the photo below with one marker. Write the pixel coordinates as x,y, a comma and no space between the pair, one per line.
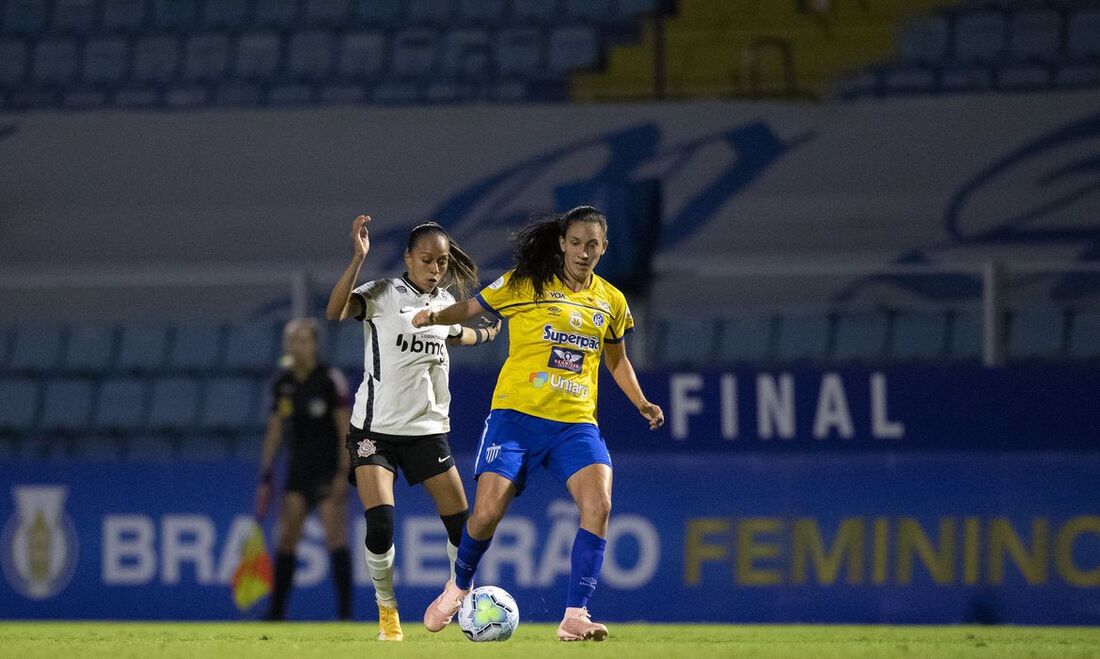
514,443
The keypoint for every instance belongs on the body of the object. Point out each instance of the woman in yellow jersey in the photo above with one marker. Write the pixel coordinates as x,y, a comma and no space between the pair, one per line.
562,318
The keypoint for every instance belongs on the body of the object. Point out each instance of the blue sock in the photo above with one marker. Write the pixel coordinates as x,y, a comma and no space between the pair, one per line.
470,551
587,560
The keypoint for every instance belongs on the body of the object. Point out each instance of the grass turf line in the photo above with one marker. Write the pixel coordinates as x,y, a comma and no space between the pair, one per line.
267,640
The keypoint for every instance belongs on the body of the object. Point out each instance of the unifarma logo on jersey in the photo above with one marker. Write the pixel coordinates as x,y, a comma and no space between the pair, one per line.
539,379
39,542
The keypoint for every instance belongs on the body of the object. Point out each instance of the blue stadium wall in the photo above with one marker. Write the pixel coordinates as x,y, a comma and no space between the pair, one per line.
908,495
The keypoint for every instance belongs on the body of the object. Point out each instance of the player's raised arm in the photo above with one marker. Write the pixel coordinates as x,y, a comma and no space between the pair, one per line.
456,313
339,301
614,357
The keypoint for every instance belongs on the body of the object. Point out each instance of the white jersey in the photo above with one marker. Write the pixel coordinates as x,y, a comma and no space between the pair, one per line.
405,388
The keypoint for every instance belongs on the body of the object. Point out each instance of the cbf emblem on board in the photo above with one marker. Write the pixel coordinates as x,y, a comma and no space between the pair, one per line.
39,542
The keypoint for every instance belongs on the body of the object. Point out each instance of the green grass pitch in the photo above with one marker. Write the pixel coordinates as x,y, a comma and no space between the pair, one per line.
628,641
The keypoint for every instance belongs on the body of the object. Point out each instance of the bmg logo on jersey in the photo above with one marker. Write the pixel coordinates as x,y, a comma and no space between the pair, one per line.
415,344
39,542
566,359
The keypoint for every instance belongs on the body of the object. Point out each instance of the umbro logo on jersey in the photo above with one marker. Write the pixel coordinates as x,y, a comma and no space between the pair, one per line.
566,359
415,344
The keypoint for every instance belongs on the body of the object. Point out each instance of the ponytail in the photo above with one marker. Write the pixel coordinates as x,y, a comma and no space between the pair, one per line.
461,269
537,248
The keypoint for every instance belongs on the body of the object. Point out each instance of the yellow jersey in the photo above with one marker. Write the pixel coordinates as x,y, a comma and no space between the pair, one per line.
555,345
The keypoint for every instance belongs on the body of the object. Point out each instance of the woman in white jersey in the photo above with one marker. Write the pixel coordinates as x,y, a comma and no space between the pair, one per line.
400,416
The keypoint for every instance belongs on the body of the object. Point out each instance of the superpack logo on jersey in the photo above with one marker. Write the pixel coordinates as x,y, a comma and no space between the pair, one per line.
582,341
415,344
540,379
566,359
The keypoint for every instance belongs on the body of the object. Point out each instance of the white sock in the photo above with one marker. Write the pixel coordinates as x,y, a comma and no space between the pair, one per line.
452,553
380,567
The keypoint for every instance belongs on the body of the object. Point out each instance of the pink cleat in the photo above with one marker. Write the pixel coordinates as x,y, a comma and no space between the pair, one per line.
439,613
577,625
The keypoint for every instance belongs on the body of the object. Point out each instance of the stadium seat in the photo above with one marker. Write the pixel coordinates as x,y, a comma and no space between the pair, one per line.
251,347
744,338
174,15
327,13
1036,332
137,97
156,59
150,448
196,348
924,41
546,12
347,346
75,17
465,54
291,94
19,410
518,51
965,336
966,78
1083,34
908,80
55,61
1023,77
572,48
142,348
225,14
918,336
13,62
25,16
589,11
687,341
275,13
121,405
447,91
240,94
206,57
184,97
980,37
258,55
122,16
9,448
338,94
627,10
66,405
173,404
90,349
310,55
860,336
83,98
1034,35
97,449
36,349
380,13
5,346
44,447
436,13
414,53
106,61
229,404
396,92
203,448
802,336
1084,336
1077,75
362,55
482,13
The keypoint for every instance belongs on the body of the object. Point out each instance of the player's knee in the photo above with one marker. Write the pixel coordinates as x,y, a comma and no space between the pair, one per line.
483,521
379,529
596,507
454,524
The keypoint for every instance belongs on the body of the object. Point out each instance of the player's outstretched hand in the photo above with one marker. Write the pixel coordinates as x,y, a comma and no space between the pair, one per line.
359,235
653,414
490,325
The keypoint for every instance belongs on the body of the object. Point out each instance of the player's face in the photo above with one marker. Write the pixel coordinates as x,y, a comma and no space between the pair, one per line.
583,245
301,346
428,261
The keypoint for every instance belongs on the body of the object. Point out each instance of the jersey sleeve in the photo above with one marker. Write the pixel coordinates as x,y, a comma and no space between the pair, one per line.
498,297
372,297
622,322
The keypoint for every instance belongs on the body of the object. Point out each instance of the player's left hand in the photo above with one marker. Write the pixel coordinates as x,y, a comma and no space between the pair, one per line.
492,326
653,414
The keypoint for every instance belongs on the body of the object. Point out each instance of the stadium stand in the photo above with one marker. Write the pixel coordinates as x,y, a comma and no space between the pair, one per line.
90,349
802,336
121,405
66,405
918,336
20,409
860,337
744,338
36,349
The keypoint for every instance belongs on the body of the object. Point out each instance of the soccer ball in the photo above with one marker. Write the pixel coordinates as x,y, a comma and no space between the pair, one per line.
488,613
